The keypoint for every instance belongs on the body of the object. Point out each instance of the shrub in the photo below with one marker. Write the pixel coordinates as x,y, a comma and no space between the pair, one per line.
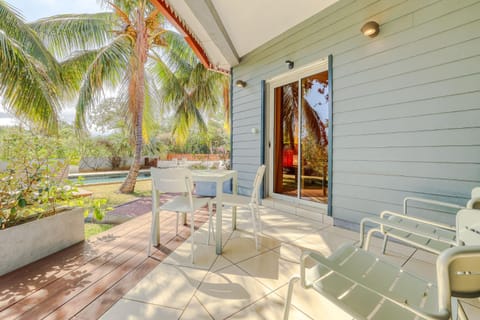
35,183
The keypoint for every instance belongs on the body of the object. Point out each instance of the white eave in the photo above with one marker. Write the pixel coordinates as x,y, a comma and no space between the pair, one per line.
227,30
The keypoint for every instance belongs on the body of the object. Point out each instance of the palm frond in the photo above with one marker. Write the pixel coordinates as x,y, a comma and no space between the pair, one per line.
63,34
15,28
74,69
108,68
122,15
26,87
186,116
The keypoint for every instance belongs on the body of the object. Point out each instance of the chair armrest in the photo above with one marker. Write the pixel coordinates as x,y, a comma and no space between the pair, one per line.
343,263
383,222
386,213
429,201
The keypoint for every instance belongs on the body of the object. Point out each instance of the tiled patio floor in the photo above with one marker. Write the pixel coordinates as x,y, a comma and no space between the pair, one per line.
244,283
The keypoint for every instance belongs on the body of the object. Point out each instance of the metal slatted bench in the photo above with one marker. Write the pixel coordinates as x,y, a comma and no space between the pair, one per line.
422,233
367,287
425,234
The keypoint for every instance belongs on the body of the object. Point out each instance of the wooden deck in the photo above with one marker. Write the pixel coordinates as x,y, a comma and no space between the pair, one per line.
85,280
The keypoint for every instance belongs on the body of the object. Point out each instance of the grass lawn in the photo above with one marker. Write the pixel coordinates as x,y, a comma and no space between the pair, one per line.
94,228
110,192
114,198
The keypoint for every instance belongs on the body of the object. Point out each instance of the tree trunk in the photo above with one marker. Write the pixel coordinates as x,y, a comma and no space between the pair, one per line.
137,100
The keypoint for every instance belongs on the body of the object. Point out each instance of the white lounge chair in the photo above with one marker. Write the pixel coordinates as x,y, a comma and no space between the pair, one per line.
367,287
422,233
177,181
251,202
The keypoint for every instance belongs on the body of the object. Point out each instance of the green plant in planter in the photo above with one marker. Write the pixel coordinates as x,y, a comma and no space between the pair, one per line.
95,208
35,183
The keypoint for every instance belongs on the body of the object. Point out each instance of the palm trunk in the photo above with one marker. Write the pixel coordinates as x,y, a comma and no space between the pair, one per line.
137,101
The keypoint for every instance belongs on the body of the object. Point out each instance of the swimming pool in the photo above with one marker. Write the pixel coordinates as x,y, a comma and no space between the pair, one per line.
107,177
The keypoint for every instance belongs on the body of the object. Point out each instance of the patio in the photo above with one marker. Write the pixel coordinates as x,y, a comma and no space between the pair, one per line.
111,275
245,284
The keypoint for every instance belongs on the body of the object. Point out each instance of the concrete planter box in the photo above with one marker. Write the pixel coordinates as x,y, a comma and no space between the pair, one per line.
31,241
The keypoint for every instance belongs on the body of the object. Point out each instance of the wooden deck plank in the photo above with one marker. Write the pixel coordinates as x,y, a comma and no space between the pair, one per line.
43,272
58,292
46,271
85,280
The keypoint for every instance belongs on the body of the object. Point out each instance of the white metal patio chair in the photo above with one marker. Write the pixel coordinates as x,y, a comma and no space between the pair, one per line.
177,181
367,287
251,202
423,233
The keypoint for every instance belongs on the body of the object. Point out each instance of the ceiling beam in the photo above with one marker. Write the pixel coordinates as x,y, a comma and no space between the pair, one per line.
208,17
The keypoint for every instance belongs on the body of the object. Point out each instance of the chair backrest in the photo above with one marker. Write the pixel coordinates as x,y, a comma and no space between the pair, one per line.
468,226
172,180
256,184
474,202
458,274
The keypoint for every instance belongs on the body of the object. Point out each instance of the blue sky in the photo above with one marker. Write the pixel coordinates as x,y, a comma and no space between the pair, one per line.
36,9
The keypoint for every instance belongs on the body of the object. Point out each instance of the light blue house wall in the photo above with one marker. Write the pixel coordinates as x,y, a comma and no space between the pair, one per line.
406,106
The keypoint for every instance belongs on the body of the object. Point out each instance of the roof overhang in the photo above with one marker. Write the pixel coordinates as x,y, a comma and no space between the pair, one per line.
222,32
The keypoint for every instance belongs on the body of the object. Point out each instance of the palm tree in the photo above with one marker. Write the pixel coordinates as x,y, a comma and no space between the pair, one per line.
31,84
188,89
130,50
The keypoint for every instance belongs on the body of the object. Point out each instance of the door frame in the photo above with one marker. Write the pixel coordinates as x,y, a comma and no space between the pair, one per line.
270,85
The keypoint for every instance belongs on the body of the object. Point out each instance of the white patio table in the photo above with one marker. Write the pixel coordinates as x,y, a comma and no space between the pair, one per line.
219,176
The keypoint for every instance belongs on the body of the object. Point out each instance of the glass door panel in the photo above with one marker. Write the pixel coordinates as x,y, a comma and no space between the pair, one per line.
300,138
314,138
286,140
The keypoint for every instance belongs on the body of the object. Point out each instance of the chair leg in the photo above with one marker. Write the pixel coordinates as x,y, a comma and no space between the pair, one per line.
192,230
176,224
259,219
254,223
288,300
210,224
384,247
154,232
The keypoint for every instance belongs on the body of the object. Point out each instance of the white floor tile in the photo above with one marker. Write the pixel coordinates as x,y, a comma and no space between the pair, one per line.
133,310
270,307
168,285
229,290
195,311
270,269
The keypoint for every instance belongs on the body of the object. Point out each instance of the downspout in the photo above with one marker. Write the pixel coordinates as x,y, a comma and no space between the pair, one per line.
330,135
231,118
262,134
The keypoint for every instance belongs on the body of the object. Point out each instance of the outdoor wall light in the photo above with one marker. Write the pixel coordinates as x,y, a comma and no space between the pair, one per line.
290,63
241,83
254,130
370,29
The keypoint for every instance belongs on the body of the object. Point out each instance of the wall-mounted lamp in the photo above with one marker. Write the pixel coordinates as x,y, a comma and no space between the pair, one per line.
290,63
254,130
241,83
370,29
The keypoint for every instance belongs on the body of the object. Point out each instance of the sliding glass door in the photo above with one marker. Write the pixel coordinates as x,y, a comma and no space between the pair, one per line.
300,124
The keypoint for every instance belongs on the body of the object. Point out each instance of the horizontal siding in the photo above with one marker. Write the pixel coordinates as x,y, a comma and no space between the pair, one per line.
429,154
406,109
